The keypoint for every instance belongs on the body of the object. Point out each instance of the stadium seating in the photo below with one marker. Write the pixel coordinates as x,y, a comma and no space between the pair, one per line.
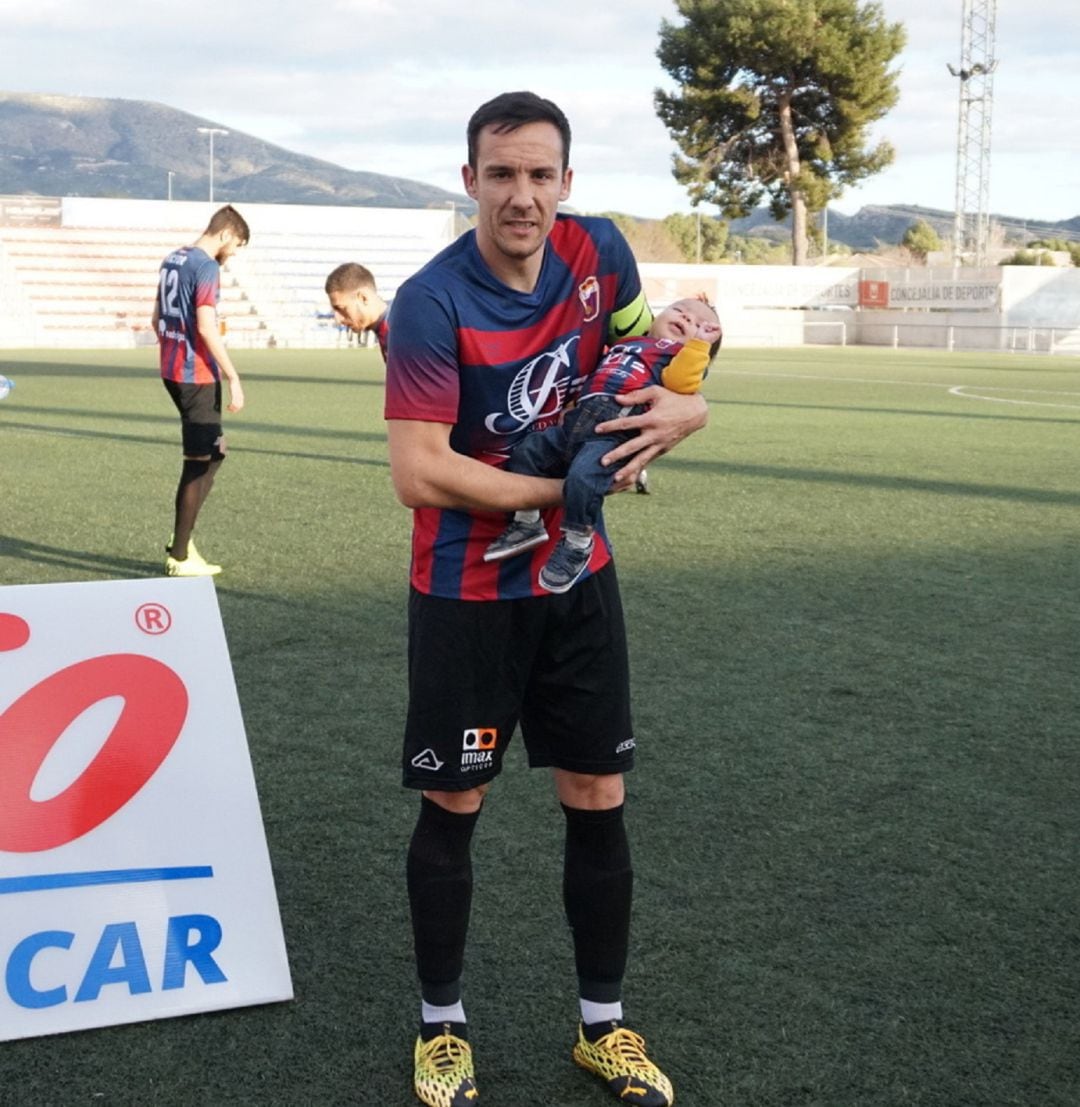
94,286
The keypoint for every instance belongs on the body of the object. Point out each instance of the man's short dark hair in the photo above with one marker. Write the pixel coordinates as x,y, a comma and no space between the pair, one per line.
349,278
511,110
228,218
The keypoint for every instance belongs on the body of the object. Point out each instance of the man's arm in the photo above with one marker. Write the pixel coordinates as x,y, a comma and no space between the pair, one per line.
206,321
427,472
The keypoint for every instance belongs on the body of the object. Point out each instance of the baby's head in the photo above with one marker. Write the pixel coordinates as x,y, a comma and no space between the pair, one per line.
686,319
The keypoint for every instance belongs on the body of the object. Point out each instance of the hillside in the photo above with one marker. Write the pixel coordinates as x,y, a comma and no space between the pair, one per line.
876,225
84,146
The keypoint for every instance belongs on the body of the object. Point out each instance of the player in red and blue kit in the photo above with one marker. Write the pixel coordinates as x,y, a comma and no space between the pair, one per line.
193,360
488,344
356,302
681,342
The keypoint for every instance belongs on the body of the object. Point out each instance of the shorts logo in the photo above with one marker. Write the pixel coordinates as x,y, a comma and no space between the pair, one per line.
625,747
478,748
426,759
589,295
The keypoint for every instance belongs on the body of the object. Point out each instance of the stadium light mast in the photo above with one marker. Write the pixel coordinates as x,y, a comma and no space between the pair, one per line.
211,131
971,222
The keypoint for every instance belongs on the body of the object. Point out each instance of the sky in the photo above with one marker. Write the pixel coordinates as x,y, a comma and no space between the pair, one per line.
388,85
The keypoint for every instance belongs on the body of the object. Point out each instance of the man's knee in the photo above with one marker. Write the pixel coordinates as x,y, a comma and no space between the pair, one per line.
590,791
460,803
195,468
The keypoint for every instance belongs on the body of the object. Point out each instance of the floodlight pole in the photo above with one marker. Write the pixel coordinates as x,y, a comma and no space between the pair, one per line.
971,221
171,175
211,131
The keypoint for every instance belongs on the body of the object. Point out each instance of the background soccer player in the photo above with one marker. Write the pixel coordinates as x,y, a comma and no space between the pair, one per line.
193,360
357,303
488,343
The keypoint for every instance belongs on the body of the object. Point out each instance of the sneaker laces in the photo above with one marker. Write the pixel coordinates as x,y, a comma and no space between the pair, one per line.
628,1045
444,1052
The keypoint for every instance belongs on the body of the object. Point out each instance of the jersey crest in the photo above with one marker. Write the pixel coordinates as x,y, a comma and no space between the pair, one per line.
589,295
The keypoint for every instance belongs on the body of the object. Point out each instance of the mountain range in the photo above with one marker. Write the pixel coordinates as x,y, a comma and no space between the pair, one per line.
86,146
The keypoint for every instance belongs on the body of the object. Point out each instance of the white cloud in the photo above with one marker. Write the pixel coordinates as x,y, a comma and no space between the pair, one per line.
388,86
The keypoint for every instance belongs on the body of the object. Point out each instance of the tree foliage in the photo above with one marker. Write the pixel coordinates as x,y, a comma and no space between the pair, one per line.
700,238
775,100
1058,245
921,239
1029,257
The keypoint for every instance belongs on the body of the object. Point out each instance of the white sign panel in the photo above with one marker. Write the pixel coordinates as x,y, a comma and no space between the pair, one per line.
135,881
944,294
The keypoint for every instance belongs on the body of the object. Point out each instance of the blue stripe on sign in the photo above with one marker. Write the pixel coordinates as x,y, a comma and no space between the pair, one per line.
47,881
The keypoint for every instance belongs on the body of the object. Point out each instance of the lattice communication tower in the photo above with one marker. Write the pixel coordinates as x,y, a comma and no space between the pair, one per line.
971,226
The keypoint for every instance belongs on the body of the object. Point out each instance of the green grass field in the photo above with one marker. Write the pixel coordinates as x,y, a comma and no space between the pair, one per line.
854,604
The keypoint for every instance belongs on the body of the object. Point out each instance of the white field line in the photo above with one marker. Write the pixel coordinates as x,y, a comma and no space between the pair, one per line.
959,390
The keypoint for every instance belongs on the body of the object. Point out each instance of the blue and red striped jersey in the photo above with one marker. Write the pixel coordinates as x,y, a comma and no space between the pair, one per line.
381,330
189,279
632,365
498,364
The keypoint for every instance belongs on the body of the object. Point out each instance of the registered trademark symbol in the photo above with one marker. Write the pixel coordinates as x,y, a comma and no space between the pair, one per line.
153,618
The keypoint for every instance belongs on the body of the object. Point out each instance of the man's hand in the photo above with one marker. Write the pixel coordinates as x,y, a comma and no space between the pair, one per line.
236,396
669,419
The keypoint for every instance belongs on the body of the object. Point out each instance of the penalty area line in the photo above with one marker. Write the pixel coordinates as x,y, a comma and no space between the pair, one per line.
960,390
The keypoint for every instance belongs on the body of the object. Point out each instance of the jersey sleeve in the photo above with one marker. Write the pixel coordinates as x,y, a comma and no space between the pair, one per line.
207,284
688,368
422,376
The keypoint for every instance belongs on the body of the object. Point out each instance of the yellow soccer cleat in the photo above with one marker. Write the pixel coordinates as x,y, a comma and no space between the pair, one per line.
190,567
193,554
619,1059
443,1072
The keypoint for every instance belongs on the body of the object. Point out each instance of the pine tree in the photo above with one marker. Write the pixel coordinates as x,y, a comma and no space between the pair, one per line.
775,99
921,239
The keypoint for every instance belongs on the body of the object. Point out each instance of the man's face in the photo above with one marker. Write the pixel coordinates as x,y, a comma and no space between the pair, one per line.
229,245
353,309
679,321
517,185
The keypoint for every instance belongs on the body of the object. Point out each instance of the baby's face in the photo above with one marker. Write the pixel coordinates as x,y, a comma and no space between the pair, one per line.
680,321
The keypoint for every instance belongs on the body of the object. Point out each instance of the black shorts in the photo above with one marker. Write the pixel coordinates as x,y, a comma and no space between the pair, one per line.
555,664
200,418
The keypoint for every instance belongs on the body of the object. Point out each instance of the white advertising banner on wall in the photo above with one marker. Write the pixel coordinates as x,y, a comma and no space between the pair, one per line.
978,295
751,286
135,880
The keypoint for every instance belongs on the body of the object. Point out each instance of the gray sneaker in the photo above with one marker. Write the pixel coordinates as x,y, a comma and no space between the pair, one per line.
517,538
564,566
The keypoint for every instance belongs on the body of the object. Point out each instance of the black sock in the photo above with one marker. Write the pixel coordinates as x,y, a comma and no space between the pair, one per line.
429,1030
594,1031
598,884
439,878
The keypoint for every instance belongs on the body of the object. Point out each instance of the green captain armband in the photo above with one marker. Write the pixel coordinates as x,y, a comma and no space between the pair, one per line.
631,321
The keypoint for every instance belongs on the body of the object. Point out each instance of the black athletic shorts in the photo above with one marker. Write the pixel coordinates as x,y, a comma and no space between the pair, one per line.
200,418
555,664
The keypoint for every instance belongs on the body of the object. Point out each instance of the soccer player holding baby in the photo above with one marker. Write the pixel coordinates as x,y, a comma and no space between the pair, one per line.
489,342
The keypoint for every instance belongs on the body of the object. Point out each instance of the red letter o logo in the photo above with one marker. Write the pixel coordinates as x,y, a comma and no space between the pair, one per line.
155,706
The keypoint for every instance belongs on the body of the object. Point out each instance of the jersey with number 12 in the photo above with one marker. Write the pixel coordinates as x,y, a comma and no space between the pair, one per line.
189,279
